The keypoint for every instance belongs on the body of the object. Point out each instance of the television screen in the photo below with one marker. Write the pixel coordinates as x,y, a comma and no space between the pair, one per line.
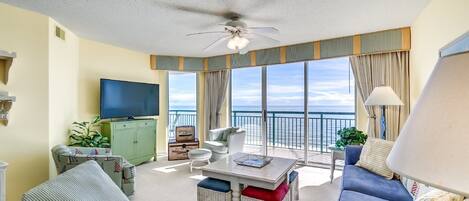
128,99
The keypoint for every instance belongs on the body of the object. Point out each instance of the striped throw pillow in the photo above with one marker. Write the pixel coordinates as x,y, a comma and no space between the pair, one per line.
373,157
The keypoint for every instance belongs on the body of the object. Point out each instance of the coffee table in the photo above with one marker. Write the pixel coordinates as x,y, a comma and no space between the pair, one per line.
267,177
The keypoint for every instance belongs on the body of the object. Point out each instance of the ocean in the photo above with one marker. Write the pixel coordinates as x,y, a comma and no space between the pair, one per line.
284,108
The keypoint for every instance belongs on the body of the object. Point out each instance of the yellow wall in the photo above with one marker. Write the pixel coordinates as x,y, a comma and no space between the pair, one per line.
439,23
63,87
99,60
162,138
56,82
24,143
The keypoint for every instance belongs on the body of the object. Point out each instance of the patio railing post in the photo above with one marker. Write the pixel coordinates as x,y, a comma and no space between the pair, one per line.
234,119
321,131
273,129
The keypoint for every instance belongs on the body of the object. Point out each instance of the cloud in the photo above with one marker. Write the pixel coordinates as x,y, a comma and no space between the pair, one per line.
331,85
283,89
331,98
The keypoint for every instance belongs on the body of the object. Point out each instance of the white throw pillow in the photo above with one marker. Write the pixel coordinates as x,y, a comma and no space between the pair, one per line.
373,157
439,195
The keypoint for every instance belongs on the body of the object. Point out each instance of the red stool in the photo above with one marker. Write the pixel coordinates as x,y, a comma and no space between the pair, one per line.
251,193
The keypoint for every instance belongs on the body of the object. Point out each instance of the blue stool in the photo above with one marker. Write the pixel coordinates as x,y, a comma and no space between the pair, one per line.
211,189
293,185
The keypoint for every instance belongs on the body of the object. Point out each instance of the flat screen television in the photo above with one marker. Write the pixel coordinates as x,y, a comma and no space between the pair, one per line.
128,99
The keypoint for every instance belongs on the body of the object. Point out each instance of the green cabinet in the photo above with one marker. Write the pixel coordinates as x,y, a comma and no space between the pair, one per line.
135,140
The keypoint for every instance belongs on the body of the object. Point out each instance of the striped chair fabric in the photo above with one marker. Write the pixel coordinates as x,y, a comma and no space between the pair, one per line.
120,171
86,181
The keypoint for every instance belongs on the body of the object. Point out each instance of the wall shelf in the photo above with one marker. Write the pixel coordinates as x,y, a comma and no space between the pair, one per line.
5,105
6,59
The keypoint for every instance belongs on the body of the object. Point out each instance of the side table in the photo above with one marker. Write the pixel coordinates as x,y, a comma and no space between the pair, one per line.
336,154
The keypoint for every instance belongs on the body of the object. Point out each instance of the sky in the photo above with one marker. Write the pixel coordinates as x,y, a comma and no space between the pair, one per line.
328,85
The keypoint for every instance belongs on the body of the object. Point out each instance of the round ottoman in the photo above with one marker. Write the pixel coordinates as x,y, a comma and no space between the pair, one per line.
202,155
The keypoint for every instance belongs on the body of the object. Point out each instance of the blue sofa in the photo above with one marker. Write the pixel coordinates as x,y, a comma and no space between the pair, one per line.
359,184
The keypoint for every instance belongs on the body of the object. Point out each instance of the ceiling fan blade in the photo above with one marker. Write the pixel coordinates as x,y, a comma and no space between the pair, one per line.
216,43
256,35
191,9
269,30
257,5
206,32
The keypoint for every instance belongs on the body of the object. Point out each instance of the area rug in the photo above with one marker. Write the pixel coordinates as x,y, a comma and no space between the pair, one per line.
165,180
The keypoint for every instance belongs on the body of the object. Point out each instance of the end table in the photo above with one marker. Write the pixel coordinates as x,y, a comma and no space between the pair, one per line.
336,154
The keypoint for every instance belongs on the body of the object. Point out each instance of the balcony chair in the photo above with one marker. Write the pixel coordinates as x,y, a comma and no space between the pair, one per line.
224,141
120,171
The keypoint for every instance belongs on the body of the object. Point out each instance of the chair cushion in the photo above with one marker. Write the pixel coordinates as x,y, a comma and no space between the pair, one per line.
265,194
356,196
361,180
86,181
200,153
215,185
216,146
228,132
293,175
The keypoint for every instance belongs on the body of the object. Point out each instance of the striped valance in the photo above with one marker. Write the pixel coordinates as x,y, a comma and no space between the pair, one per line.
370,43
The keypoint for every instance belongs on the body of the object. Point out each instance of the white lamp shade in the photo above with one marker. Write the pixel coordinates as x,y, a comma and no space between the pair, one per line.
383,95
433,146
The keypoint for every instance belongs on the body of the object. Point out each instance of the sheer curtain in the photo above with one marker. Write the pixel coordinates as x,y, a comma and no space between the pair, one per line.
390,69
216,84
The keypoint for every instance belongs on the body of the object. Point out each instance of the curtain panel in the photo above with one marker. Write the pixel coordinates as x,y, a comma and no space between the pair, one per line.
389,69
216,84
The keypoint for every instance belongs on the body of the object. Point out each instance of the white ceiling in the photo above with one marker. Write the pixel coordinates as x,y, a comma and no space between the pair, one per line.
151,26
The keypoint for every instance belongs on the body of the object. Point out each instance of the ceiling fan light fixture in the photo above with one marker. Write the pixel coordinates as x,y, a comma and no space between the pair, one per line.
237,43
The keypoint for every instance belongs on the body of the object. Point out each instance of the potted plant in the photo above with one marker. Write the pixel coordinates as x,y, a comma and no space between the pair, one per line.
87,134
350,136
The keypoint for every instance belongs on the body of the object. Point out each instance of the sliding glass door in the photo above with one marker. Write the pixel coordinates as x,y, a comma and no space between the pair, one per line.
294,110
331,103
182,100
285,110
246,90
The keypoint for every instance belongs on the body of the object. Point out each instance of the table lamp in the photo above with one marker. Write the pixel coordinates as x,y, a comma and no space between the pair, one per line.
383,96
433,146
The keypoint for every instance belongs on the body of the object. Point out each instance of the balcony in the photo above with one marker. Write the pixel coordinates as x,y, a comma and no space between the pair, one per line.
285,130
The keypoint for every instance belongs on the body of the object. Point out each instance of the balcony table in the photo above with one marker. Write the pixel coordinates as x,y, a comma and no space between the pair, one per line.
336,154
267,177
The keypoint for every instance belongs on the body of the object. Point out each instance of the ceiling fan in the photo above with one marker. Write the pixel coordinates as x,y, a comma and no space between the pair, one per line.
236,34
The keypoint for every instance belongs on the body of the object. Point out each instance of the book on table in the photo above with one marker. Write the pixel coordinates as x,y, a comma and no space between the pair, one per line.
252,160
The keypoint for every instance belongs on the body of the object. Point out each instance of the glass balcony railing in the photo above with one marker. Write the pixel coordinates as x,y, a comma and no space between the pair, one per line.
284,129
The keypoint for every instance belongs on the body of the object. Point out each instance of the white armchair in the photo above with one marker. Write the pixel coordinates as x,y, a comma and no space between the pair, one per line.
224,141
